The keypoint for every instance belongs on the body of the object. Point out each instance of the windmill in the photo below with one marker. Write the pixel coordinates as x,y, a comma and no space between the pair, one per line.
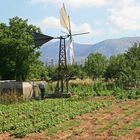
40,39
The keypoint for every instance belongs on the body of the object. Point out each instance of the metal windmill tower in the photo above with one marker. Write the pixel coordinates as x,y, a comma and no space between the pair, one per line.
40,39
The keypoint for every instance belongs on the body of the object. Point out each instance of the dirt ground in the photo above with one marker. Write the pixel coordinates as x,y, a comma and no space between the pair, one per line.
120,121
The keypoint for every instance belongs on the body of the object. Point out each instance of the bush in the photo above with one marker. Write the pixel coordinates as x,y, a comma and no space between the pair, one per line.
134,94
120,93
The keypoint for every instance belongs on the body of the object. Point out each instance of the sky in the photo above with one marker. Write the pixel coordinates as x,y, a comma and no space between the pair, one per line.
104,19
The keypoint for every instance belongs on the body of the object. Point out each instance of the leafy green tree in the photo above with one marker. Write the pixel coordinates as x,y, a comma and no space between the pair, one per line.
38,71
115,67
76,71
53,72
95,65
125,68
17,52
131,75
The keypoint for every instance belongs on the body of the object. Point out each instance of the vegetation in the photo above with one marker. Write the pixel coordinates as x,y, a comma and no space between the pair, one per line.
74,72
21,119
11,96
95,66
62,127
19,57
121,71
124,69
118,76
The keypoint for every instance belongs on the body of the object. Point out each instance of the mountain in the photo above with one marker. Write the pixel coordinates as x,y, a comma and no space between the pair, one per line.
108,48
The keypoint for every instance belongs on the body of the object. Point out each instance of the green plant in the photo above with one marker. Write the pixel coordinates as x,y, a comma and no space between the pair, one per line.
35,116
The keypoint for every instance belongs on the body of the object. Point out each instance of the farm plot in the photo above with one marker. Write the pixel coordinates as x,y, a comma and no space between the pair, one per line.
18,120
120,121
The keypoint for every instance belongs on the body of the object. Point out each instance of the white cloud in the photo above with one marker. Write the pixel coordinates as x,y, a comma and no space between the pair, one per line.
120,17
54,23
124,16
49,23
83,27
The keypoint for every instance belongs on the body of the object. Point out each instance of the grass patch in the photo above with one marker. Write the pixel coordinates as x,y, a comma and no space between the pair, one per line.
107,110
75,133
126,129
131,126
138,116
119,133
61,128
108,126
111,123
129,112
126,107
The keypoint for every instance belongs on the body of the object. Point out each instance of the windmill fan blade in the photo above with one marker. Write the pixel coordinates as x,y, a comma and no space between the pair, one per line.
71,53
40,39
64,19
80,34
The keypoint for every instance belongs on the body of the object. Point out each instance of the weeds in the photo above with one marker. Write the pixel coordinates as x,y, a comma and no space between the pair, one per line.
9,96
87,87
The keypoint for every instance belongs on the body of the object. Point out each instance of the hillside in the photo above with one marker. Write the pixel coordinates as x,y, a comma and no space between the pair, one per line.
108,48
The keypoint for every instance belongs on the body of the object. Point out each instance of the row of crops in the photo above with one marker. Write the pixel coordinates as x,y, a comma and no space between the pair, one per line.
35,116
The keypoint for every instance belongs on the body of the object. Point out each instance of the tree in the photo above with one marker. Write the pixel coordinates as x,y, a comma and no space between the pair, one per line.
76,71
132,74
17,52
125,68
53,72
95,65
115,67
38,71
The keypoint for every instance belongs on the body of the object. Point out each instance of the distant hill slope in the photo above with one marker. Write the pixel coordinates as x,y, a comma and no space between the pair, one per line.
108,48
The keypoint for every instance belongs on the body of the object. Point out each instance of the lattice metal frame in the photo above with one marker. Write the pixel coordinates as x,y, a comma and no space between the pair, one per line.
62,83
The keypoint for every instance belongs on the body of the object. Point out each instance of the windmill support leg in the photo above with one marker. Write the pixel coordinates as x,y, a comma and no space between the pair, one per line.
62,83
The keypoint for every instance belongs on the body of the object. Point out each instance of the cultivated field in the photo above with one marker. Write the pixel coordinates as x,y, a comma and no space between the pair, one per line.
101,118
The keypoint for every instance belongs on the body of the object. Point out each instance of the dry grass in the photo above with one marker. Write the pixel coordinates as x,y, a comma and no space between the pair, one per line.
81,82
8,96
